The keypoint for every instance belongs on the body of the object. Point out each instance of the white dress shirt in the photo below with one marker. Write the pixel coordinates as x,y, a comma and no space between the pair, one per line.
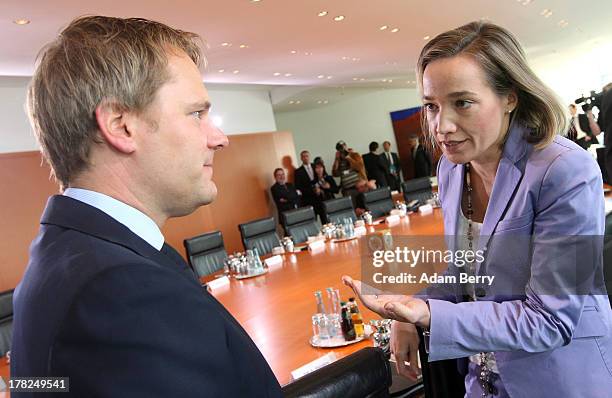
136,221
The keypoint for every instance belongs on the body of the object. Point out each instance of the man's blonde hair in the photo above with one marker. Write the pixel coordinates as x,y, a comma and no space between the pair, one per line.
97,59
503,61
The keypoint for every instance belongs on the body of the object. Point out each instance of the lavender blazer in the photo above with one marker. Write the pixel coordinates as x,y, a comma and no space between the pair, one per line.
547,342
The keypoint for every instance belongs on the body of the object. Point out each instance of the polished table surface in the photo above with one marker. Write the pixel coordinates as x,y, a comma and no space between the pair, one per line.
276,308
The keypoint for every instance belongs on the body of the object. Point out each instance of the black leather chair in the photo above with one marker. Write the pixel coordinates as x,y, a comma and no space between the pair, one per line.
6,321
417,189
378,202
336,210
260,234
365,373
206,253
301,223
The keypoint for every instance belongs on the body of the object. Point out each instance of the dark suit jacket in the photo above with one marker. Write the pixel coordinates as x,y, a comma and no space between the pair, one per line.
605,124
422,163
286,192
304,184
375,168
101,306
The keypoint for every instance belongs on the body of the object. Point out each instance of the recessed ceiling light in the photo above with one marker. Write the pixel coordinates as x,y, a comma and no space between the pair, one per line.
21,21
298,102
563,23
287,74
389,81
277,73
329,77
244,46
361,79
255,1
226,44
292,102
383,27
319,102
307,53
384,80
321,76
325,102
426,38
525,2
339,18
394,30
293,52
323,13
236,72
345,58
355,59
221,70
355,78
546,13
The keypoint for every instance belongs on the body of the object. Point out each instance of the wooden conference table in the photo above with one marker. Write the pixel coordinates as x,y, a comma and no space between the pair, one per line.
276,308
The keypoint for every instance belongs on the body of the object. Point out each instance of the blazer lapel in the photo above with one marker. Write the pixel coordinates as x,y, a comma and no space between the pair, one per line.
452,194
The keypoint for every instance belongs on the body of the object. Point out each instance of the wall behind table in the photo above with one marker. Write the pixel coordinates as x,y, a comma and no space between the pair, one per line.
242,172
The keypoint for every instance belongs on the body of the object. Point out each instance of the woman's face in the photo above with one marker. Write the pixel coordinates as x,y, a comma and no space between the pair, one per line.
467,118
319,170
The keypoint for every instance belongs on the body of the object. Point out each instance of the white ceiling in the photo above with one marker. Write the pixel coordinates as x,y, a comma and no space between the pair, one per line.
273,28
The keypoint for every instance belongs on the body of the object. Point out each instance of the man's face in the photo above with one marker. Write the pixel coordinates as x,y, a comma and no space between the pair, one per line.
572,110
386,146
305,156
280,177
176,153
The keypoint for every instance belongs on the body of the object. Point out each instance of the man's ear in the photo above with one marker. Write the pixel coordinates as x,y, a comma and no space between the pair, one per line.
114,127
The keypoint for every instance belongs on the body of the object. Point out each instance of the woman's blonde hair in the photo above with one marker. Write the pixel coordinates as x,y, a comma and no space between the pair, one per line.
503,61
97,59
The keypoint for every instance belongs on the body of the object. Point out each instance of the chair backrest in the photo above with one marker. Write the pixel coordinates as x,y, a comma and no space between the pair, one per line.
378,202
6,321
260,234
365,373
336,210
301,223
417,189
206,253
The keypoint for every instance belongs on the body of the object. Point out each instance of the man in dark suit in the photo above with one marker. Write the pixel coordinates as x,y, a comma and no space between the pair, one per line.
375,165
304,176
420,157
581,127
284,194
104,301
392,166
605,123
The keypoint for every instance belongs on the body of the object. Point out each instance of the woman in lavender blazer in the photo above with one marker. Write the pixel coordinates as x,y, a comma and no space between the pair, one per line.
533,203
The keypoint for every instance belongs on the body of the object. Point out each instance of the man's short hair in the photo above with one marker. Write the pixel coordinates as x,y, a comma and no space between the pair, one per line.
373,146
304,151
387,142
276,170
97,59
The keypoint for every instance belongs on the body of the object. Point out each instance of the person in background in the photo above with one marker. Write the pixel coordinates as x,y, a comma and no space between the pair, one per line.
303,179
605,123
342,168
284,194
582,127
324,187
121,114
420,158
362,186
356,164
375,166
530,203
392,166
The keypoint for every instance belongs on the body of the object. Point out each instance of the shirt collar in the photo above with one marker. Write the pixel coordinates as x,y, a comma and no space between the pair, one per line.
135,220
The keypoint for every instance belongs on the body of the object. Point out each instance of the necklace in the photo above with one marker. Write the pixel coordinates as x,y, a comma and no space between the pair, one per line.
485,375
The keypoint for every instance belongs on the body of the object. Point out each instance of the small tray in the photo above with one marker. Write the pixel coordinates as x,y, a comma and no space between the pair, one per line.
336,240
239,277
333,342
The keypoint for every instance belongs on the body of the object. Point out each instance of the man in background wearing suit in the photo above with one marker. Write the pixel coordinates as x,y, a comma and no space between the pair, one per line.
392,166
582,127
304,176
121,114
284,194
420,158
375,165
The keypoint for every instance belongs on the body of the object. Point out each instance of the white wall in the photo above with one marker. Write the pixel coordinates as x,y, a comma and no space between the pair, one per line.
357,119
243,109
15,132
